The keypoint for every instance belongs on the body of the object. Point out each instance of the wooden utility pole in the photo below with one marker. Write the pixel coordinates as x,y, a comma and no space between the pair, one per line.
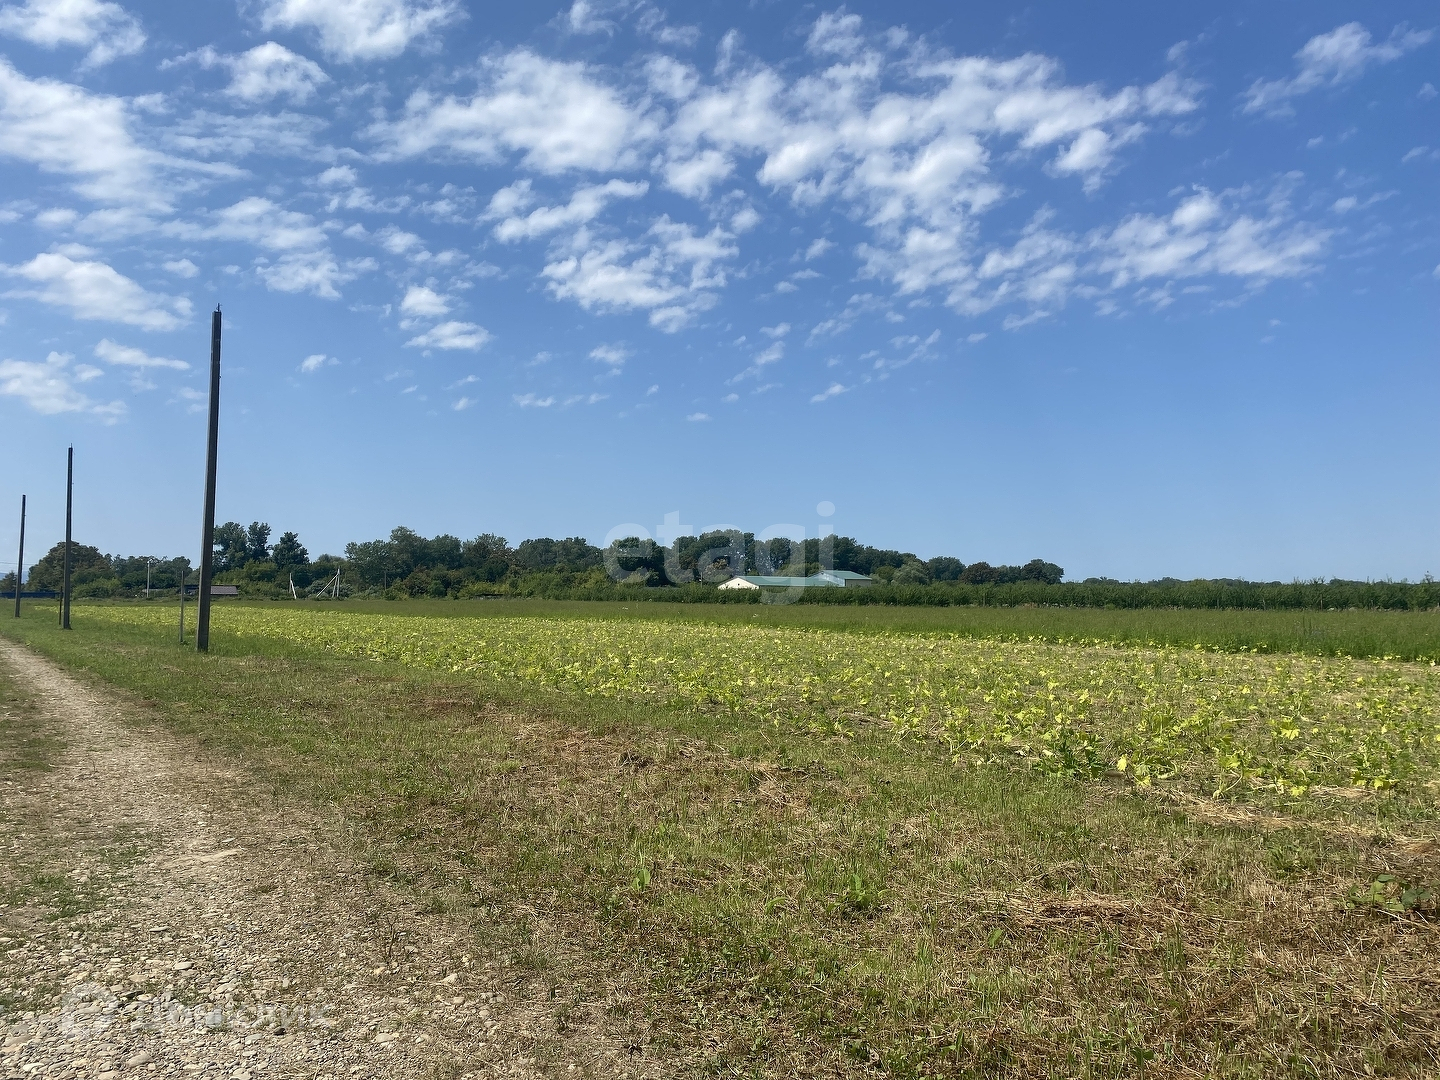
69,505
207,532
20,562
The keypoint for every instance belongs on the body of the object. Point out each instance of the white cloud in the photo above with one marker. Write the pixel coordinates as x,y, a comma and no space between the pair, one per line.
530,401
600,17
614,355
317,272
694,175
833,390
906,139
556,115
1329,60
208,134
836,33
652,23
181,268
463,404
698,417
452,335
48,388
585,205
106,29
772,354
587,17
858,304
509,200
265,72
975,339
670,274
1234,234
397,241
1427,92
126,356
362,29
58,217
305,262
95,290
817,248
1218,241
258,221
424,302
744,219
60,128
315,362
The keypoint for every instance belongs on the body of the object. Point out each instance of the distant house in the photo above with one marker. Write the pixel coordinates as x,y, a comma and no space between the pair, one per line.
825,579
224,590
846,579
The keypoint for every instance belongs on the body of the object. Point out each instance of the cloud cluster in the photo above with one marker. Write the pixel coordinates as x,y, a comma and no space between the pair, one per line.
356,30
556,115
586,204
1233,233
49,387
1329,60
263,73
91,289
670,272
634,186
61,128
105,28
452,335
904,136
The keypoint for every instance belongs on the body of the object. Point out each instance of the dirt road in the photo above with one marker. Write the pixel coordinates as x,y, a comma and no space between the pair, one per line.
163,917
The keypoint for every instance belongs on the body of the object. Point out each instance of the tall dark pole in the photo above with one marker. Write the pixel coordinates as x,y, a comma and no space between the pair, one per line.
207,533
20,562
69,502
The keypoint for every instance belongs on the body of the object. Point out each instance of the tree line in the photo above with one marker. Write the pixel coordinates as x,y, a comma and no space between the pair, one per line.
408,565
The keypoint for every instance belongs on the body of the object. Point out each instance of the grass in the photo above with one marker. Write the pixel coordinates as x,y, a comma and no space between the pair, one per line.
783,902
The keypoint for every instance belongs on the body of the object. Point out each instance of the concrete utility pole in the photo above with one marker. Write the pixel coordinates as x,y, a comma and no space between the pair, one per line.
20,562
207,532
69,503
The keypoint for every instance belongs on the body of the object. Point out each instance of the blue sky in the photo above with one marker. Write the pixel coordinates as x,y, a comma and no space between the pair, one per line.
1140,289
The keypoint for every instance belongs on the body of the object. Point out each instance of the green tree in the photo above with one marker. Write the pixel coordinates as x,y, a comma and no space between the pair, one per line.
914,572
288,552
944,568
372,562
87,565
257,542
232,549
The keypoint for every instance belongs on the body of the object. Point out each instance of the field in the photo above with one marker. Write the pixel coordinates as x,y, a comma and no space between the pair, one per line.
1400,635
859,842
